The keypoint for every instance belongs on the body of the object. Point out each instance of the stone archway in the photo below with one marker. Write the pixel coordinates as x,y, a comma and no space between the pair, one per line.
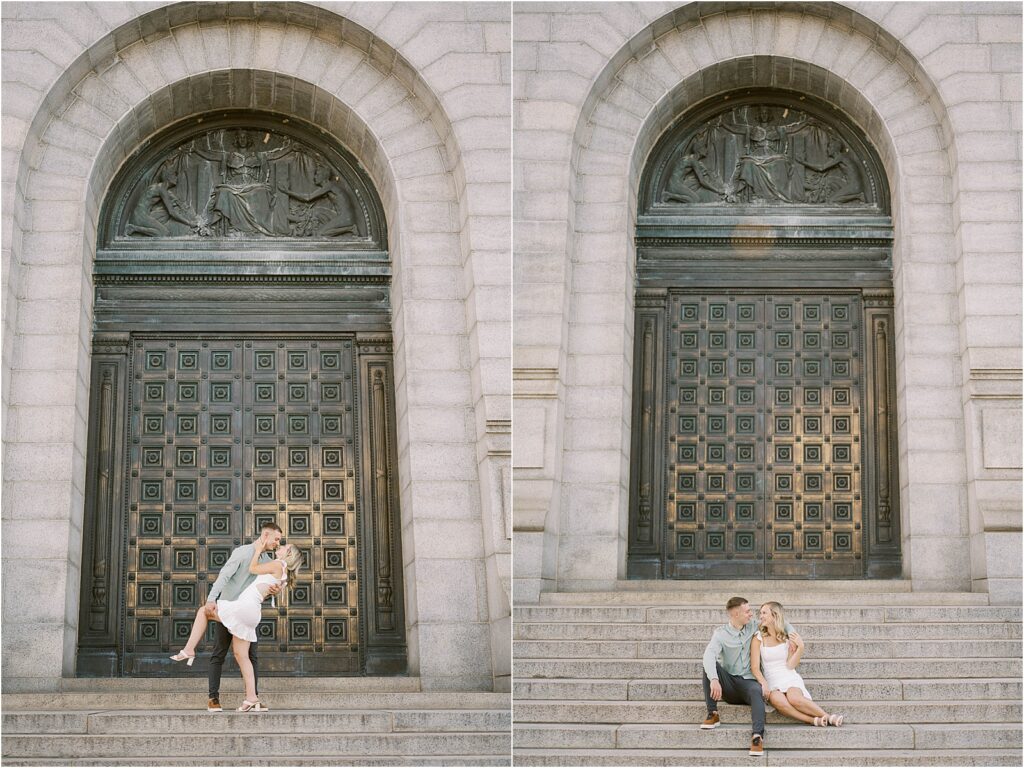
764,409
171,63
678,61
241,374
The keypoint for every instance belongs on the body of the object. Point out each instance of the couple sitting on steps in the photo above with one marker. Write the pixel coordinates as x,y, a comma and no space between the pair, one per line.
754,662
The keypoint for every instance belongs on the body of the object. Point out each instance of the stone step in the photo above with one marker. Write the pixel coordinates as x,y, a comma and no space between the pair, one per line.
712,616
865,689
789,598
810,669
232,681
742,587
771,757
829,631
856,712
728,737
826,649
296,745
274,721
442,761
295,699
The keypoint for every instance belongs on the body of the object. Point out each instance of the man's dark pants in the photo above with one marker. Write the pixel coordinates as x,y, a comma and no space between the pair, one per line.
738,690
221,646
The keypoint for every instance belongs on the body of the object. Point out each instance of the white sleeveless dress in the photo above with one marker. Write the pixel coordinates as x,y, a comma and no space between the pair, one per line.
242,614
778,676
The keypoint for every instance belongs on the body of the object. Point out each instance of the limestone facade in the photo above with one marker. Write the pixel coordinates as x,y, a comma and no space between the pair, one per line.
936,87
419,92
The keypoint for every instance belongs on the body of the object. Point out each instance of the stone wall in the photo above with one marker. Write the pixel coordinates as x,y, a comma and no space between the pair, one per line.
419,93
937,89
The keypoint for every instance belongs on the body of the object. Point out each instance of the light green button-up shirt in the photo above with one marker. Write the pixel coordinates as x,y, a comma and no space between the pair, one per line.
730,647
234,576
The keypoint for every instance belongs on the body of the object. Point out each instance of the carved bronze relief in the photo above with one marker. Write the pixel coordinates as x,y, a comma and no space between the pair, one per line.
254,178
763,152
243,183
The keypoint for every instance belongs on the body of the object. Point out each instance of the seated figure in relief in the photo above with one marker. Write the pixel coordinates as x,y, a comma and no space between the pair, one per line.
245,197
764,168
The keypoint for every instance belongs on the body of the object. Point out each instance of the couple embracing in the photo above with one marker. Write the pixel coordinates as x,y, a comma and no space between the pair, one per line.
252,573
754,662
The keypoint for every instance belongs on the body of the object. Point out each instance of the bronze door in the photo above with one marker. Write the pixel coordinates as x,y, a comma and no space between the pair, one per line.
225,433
763,424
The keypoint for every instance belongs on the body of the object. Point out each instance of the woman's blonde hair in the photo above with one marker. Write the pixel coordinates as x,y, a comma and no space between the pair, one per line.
778,628
292,561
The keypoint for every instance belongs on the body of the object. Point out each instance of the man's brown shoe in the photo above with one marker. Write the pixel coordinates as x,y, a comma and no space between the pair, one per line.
213,705
756,745
711,721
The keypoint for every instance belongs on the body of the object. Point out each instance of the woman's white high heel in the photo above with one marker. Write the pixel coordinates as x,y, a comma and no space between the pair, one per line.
182,656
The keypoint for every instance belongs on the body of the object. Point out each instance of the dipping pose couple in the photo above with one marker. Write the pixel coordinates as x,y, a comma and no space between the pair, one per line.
252,573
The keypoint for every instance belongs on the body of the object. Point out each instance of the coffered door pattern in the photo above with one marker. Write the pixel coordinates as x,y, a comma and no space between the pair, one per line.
224,435
763,432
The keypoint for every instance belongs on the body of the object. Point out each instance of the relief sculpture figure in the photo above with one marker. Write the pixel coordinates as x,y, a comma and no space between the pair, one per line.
245,197
765,167
318,218
849,186
764,155
158,205
244,184
691,180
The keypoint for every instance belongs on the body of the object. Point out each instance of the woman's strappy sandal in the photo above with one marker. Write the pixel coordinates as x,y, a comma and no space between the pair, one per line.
821,722
836,720
182,656
251,706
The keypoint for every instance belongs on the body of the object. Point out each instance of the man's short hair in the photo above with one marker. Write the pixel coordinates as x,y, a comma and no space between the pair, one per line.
735,602
272,526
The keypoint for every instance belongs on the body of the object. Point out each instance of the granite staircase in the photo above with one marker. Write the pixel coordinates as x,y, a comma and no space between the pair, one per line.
311,721
613,678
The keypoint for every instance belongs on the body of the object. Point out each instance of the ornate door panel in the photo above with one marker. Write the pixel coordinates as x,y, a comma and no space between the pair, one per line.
226,434
764,430
716,427
813,381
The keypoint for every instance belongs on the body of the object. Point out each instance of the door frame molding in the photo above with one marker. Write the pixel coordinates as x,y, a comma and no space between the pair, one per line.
382,643
648,500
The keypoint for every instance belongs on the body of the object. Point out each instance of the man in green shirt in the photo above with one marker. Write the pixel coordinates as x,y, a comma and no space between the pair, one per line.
727,675
233,578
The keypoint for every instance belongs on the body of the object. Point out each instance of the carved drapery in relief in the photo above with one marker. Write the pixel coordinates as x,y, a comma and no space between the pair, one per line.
244,183
764,154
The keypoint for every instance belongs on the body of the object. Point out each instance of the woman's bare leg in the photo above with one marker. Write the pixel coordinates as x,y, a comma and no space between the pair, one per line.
780,702
801,703
198,630
240,648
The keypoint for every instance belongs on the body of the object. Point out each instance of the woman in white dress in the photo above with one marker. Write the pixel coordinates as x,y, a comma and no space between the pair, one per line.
781,684
240,616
